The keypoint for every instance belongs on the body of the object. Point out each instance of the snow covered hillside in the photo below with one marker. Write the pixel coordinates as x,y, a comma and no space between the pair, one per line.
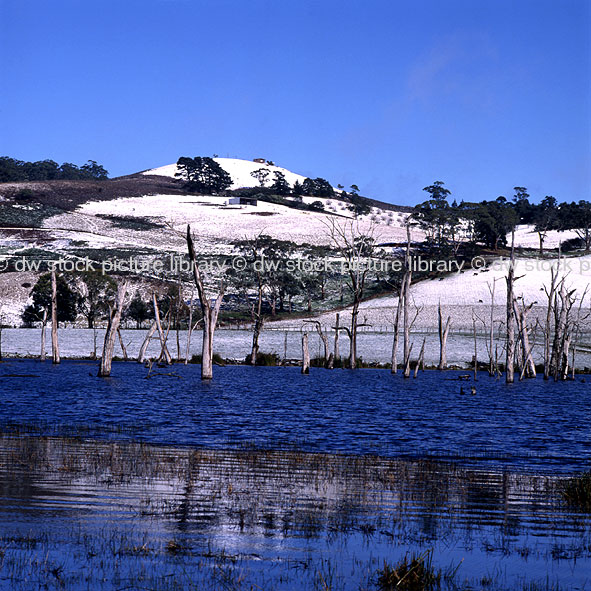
466,291
239,170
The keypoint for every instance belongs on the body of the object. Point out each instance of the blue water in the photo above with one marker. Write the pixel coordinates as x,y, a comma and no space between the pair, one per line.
529,425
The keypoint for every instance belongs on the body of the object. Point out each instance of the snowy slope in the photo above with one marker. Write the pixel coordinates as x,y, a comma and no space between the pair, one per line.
239,170
463,292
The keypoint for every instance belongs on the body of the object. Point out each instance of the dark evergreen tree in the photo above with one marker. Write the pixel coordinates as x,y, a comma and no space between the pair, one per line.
523,208
203,175
493,221
138,310
577,217
67,301
280,186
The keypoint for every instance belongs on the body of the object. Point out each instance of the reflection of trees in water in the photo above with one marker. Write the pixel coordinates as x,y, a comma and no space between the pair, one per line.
285,492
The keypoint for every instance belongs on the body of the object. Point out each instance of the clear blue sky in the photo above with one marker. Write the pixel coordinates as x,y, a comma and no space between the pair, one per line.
390,95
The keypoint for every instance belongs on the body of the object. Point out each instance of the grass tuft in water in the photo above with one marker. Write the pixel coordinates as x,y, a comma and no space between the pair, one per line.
414,574
577,491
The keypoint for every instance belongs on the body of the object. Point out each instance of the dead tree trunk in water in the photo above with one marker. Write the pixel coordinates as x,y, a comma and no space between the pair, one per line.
475,346
305,354
164,348
323,338
491,334
189,330
510,356
210,312
43,327
551,294
443,332
394,365
257,317
112,330
528,367
164,353
406,281
122,344
142,354
356,248
337,354
420,360
577,331
55,349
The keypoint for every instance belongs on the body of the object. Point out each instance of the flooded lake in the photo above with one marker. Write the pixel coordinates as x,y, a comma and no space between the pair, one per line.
268,479
527,425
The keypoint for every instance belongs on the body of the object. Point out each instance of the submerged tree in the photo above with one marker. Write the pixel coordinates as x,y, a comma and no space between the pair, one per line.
210,310
112,331
356,248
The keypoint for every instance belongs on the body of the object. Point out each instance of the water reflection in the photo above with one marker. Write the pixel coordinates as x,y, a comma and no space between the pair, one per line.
74,513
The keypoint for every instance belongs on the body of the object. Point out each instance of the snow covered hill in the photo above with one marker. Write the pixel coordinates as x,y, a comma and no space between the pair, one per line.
239,170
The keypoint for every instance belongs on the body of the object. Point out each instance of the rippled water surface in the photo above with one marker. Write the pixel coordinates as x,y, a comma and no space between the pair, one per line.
527,425
268,479
89,515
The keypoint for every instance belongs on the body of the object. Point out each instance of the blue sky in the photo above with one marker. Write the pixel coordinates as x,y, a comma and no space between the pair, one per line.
390,95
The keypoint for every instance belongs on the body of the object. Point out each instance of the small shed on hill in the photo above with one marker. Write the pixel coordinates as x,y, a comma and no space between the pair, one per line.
242,201
259,160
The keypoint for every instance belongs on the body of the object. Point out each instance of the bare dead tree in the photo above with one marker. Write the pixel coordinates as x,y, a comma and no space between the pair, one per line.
527,366
394,364
406,324
209,311
443,333
475,346
563,304
163,348
43,327
510,347
112,330
356,248
258,322
551,295
142,354
408,329
164,353
305,354
55,349
421,359
122,344
190,329
324,339
577,330
337,354
491,361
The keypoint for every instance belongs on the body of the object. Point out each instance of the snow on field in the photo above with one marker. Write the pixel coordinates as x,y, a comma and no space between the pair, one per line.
467,291
14,294
239,170
215,222
526,237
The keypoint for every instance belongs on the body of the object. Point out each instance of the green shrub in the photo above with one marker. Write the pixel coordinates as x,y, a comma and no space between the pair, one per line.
24,195
265,359
217,359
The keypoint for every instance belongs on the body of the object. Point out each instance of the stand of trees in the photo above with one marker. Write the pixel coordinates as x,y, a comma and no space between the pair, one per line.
15,171
203,175
490,222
